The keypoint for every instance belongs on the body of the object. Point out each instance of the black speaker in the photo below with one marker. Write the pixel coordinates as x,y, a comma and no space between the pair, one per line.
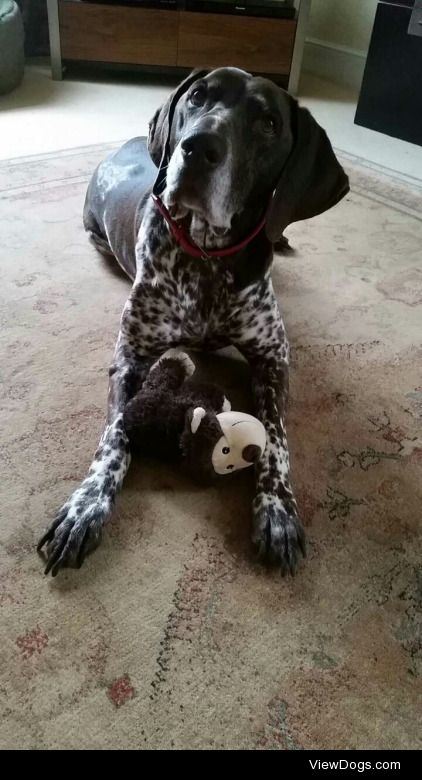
390,98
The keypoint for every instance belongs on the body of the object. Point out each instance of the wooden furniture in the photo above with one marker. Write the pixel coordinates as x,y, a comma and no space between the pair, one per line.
117,33
130,35
257,44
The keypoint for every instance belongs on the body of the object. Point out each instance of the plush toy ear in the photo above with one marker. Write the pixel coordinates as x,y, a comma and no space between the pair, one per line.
160,124
198,415
312,179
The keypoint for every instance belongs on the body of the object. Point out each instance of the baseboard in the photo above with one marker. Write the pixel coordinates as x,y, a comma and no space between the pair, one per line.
334,62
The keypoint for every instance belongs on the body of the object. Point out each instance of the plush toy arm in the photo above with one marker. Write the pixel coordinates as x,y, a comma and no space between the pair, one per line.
168,373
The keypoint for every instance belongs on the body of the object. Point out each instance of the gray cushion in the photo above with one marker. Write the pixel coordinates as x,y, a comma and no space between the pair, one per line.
11,46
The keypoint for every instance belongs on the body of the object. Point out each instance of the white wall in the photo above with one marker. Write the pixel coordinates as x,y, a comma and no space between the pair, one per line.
344,22
338,38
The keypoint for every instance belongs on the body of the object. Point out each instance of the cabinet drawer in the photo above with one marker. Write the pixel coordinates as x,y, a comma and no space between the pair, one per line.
212,40
122,34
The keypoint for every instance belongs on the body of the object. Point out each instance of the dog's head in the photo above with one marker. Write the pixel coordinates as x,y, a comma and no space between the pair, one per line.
237,144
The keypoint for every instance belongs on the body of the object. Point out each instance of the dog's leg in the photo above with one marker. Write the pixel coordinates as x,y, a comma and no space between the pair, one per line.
77,528
277,529
260,336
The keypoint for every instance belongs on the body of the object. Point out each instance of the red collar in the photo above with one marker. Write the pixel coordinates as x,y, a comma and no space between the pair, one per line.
189,246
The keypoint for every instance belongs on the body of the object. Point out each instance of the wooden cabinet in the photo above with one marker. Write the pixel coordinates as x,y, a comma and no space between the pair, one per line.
131,35
260,45
106,33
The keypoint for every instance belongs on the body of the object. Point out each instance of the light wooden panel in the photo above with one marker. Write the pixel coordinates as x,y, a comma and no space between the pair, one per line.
124,34
212,40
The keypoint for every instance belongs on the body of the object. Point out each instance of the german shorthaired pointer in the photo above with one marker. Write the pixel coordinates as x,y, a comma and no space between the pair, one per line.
238,160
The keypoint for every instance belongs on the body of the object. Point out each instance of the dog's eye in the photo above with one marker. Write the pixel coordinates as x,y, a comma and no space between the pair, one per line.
226,450
198,96
268,124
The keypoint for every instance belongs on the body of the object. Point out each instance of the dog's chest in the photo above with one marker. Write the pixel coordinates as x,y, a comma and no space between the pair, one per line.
204,300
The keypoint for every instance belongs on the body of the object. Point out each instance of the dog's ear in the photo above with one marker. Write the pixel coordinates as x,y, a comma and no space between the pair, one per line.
154,136
312,179
160,124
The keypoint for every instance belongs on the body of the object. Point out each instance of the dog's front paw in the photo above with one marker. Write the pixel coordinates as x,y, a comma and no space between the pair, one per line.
76,530
278,532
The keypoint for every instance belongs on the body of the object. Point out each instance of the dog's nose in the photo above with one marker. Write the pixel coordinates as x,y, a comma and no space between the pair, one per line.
251,453
204,148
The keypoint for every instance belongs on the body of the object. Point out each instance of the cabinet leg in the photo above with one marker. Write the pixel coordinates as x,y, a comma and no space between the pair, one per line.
303,7
54,35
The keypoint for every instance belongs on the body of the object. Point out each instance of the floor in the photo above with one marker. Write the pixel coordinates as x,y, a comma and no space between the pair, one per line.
172,635
87,108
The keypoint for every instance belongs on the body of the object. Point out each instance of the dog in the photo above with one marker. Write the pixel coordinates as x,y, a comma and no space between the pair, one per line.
191,216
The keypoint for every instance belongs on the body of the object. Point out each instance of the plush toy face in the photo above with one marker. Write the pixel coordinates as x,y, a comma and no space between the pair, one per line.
242,444
237,440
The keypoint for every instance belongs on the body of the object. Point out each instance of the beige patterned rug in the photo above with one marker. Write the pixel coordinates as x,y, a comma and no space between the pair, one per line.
172,636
